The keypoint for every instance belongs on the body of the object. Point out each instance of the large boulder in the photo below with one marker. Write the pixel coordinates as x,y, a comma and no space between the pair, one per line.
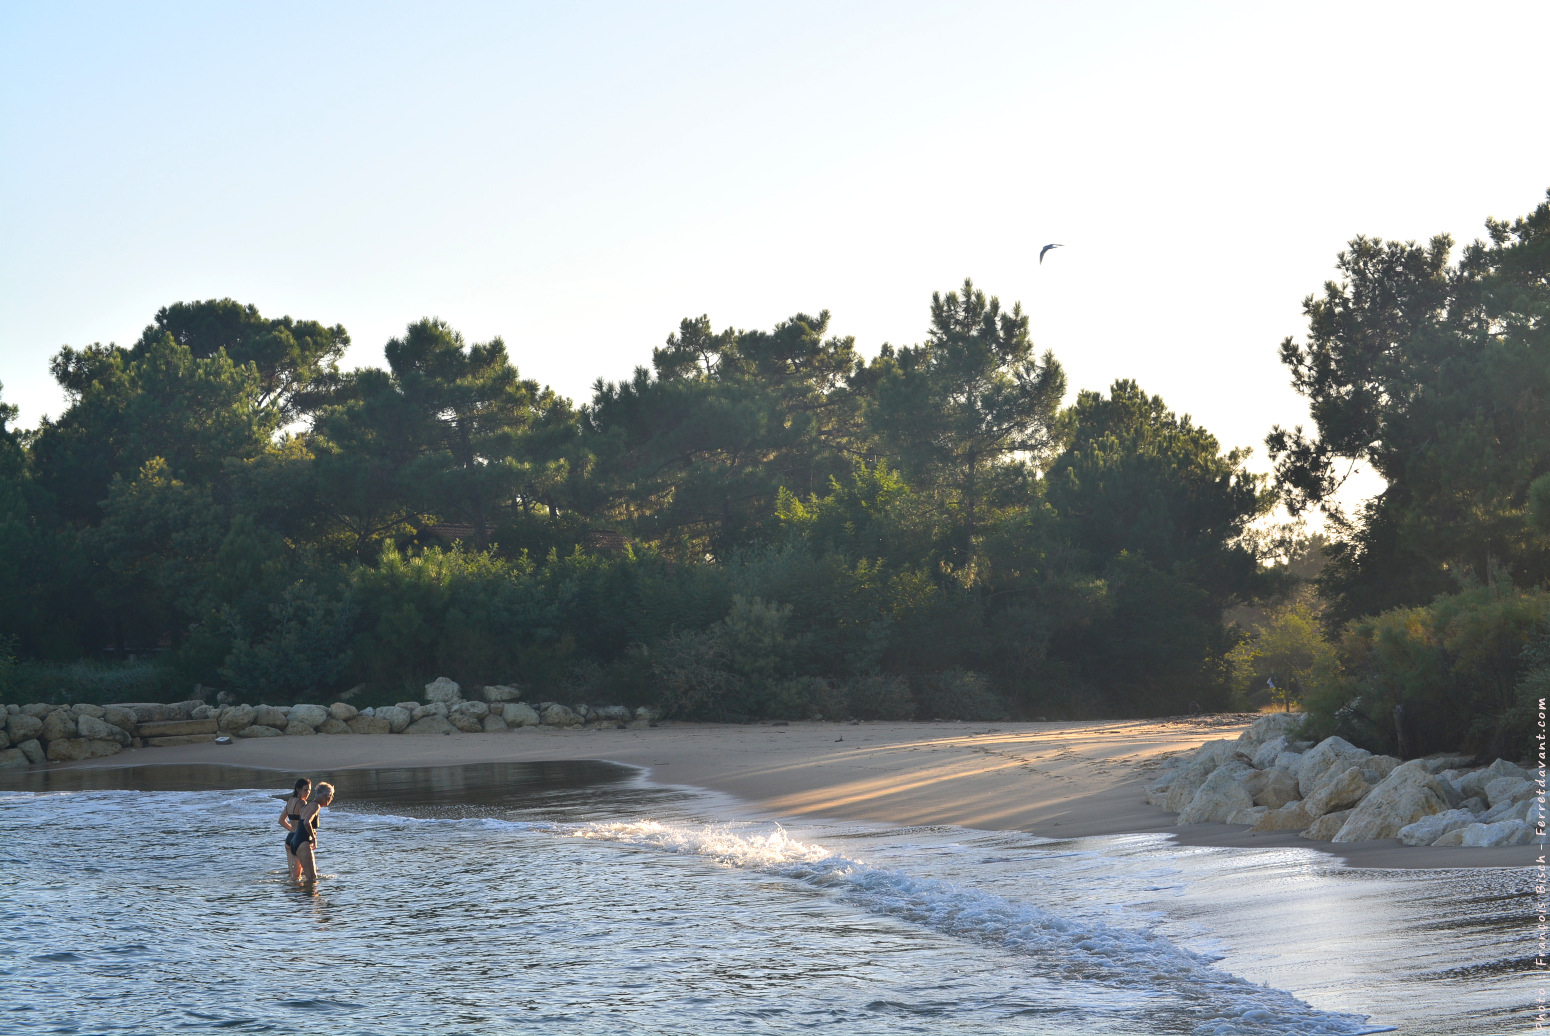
312,715
1266,754
1332,754
1505,832
428,725
1508,789
59,725
101,730
516,714
269,716
443,690
1338,791
466,722
438,708
1269,727
151,711
373,724
343,711
96,748
296,728
5,739
236,718
397,717
1157,790
553,714
69,750
1290,817
1428,829
176,728
203,711
1403,797
494,724
39,709
120,717
84,708
1272,788
33,750
502,693
1220,796
1326,827
611,714
334,726
476,709
22,727
1181,790
259,730
13,759
409,706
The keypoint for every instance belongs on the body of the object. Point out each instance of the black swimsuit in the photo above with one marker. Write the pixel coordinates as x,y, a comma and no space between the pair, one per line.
301,834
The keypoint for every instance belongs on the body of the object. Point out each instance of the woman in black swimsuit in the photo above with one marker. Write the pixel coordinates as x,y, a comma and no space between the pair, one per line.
290,816
303,838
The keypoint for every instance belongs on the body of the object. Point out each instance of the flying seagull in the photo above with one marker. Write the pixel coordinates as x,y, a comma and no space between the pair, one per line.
1046,248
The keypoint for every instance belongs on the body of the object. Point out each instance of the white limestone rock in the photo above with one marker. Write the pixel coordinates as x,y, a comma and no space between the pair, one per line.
466,723
438,708
13,759
334,726
444,690
203,712
1250,816
296,728
1272,788
1505,832
1324,828
1269,727
120,717
1338,791
397,717
1408,794
32,749
101,730
312,715
373,724
1509,789
428,726
1290,817
259,730
1220,796
494,724
269,716
87,709
553,714
516,714
236,717
611,714
1157,790
59,725
343,711
1332,754
1427,830
502,693
68,749
1265,755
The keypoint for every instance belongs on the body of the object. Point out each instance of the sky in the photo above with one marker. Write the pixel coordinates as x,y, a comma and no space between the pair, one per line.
578,178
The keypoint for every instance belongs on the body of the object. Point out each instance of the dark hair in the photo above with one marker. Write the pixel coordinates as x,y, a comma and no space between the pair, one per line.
302,782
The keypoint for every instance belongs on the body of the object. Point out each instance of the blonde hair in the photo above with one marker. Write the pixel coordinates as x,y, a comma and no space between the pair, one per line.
324,790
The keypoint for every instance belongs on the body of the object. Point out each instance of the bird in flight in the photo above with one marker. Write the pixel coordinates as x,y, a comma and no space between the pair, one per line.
1046,248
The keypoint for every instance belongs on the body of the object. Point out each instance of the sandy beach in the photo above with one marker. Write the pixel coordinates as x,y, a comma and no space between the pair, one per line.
1056,780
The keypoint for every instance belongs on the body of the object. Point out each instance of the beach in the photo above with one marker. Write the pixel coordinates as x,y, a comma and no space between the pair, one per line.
1053,780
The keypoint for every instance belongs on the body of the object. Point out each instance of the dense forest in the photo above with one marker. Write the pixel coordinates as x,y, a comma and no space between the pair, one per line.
765,523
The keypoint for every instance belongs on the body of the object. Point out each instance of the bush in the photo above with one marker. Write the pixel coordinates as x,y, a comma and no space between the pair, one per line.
1290,648
96,682
879,697
957,694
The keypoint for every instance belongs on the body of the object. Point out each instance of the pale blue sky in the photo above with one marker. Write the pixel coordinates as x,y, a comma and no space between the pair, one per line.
577,178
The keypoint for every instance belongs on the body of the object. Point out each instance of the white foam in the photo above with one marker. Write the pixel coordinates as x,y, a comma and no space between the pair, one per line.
1137,962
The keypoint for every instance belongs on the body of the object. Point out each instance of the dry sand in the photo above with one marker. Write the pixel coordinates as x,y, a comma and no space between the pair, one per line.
1057,780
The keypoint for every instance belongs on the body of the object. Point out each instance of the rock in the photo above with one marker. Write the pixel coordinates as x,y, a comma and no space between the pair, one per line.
96,748
502,693
409,706
434,709
443,690
1502,789
37,710
428,725
333,726
22,727
269,716
5,739
1157,790
493,724
1220,796
1265,755
465,722
87,709
101,730
1446,761
1337,792
312,715
553,714
120,717
364,724
612,714
1473,805
1250,816
1503,768
1272,788
1326,827
185,709
204,712
476,709
1506,832
1402,798
13,759
344,712
259,730
59,725
176,728
1325,757
1289,761
151,712
237,717
180,739
1269,727
1216,752
1428,829
516,714
647,714
1290,817
397,717
1380,766
1454,837
69,750
1181,792
33,750
296,728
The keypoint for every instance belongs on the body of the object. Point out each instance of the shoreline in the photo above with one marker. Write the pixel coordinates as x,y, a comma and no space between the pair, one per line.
1053,780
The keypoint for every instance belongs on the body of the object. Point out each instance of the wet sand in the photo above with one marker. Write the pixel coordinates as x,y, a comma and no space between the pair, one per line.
1057,780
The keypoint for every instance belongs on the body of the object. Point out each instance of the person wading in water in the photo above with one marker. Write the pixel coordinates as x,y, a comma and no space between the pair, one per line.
300,818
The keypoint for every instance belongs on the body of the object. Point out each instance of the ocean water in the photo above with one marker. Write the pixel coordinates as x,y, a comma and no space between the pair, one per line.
578,898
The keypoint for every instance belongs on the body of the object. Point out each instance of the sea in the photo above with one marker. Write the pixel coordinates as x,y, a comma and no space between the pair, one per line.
581,898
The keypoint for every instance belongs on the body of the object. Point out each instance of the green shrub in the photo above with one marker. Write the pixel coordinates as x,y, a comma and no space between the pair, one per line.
957,694
96,682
